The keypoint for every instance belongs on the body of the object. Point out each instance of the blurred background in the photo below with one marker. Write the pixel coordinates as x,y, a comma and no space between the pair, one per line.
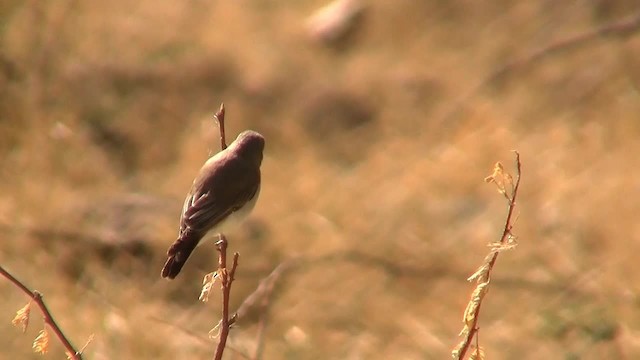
382,119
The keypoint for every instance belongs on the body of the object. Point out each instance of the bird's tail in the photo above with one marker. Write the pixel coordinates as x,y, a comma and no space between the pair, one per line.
179,252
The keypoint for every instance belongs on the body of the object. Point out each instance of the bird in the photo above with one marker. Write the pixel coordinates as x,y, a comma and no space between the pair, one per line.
223,193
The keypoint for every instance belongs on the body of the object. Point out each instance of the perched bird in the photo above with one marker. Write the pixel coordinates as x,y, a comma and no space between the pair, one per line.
224,192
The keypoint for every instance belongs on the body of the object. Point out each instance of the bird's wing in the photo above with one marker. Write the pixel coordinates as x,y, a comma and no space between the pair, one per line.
221,188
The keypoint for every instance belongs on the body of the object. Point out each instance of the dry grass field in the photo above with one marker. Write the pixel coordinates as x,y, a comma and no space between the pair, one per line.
377,146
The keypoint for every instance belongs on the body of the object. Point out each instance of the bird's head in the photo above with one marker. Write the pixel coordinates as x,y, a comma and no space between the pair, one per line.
249,145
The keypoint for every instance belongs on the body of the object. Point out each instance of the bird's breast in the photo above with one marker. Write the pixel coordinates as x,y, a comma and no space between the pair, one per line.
231,222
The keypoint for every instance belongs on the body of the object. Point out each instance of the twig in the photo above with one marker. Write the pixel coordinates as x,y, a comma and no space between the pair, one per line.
268,284
219,116
262,295
48,318
262,330
483,275
265,287
226,279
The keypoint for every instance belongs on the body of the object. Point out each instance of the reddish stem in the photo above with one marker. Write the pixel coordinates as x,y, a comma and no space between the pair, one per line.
48,318
226,279
219,116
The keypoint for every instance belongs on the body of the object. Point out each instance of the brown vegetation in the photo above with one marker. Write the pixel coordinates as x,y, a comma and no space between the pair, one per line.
377,146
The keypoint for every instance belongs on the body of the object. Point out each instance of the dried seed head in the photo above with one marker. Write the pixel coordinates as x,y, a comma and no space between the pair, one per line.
41,343
477,353
22,317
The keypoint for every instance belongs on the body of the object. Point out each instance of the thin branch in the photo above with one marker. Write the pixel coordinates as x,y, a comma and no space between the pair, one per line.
265,287
483,276
262,297
226,279
219,116
48,318
269,285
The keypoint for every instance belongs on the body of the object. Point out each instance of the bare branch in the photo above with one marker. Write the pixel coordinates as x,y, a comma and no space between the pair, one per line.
226,280
219,116
48,318
483,275
261,298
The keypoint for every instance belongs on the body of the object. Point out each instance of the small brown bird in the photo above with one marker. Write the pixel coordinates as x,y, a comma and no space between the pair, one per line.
224,193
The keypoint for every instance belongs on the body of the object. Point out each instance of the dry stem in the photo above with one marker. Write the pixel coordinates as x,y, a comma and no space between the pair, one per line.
262,297
483,275
48,318
219,116
226,279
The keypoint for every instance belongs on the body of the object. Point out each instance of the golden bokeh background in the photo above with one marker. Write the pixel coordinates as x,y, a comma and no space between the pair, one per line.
378,141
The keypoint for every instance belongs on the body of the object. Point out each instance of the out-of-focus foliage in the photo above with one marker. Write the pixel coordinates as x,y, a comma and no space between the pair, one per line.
377,146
